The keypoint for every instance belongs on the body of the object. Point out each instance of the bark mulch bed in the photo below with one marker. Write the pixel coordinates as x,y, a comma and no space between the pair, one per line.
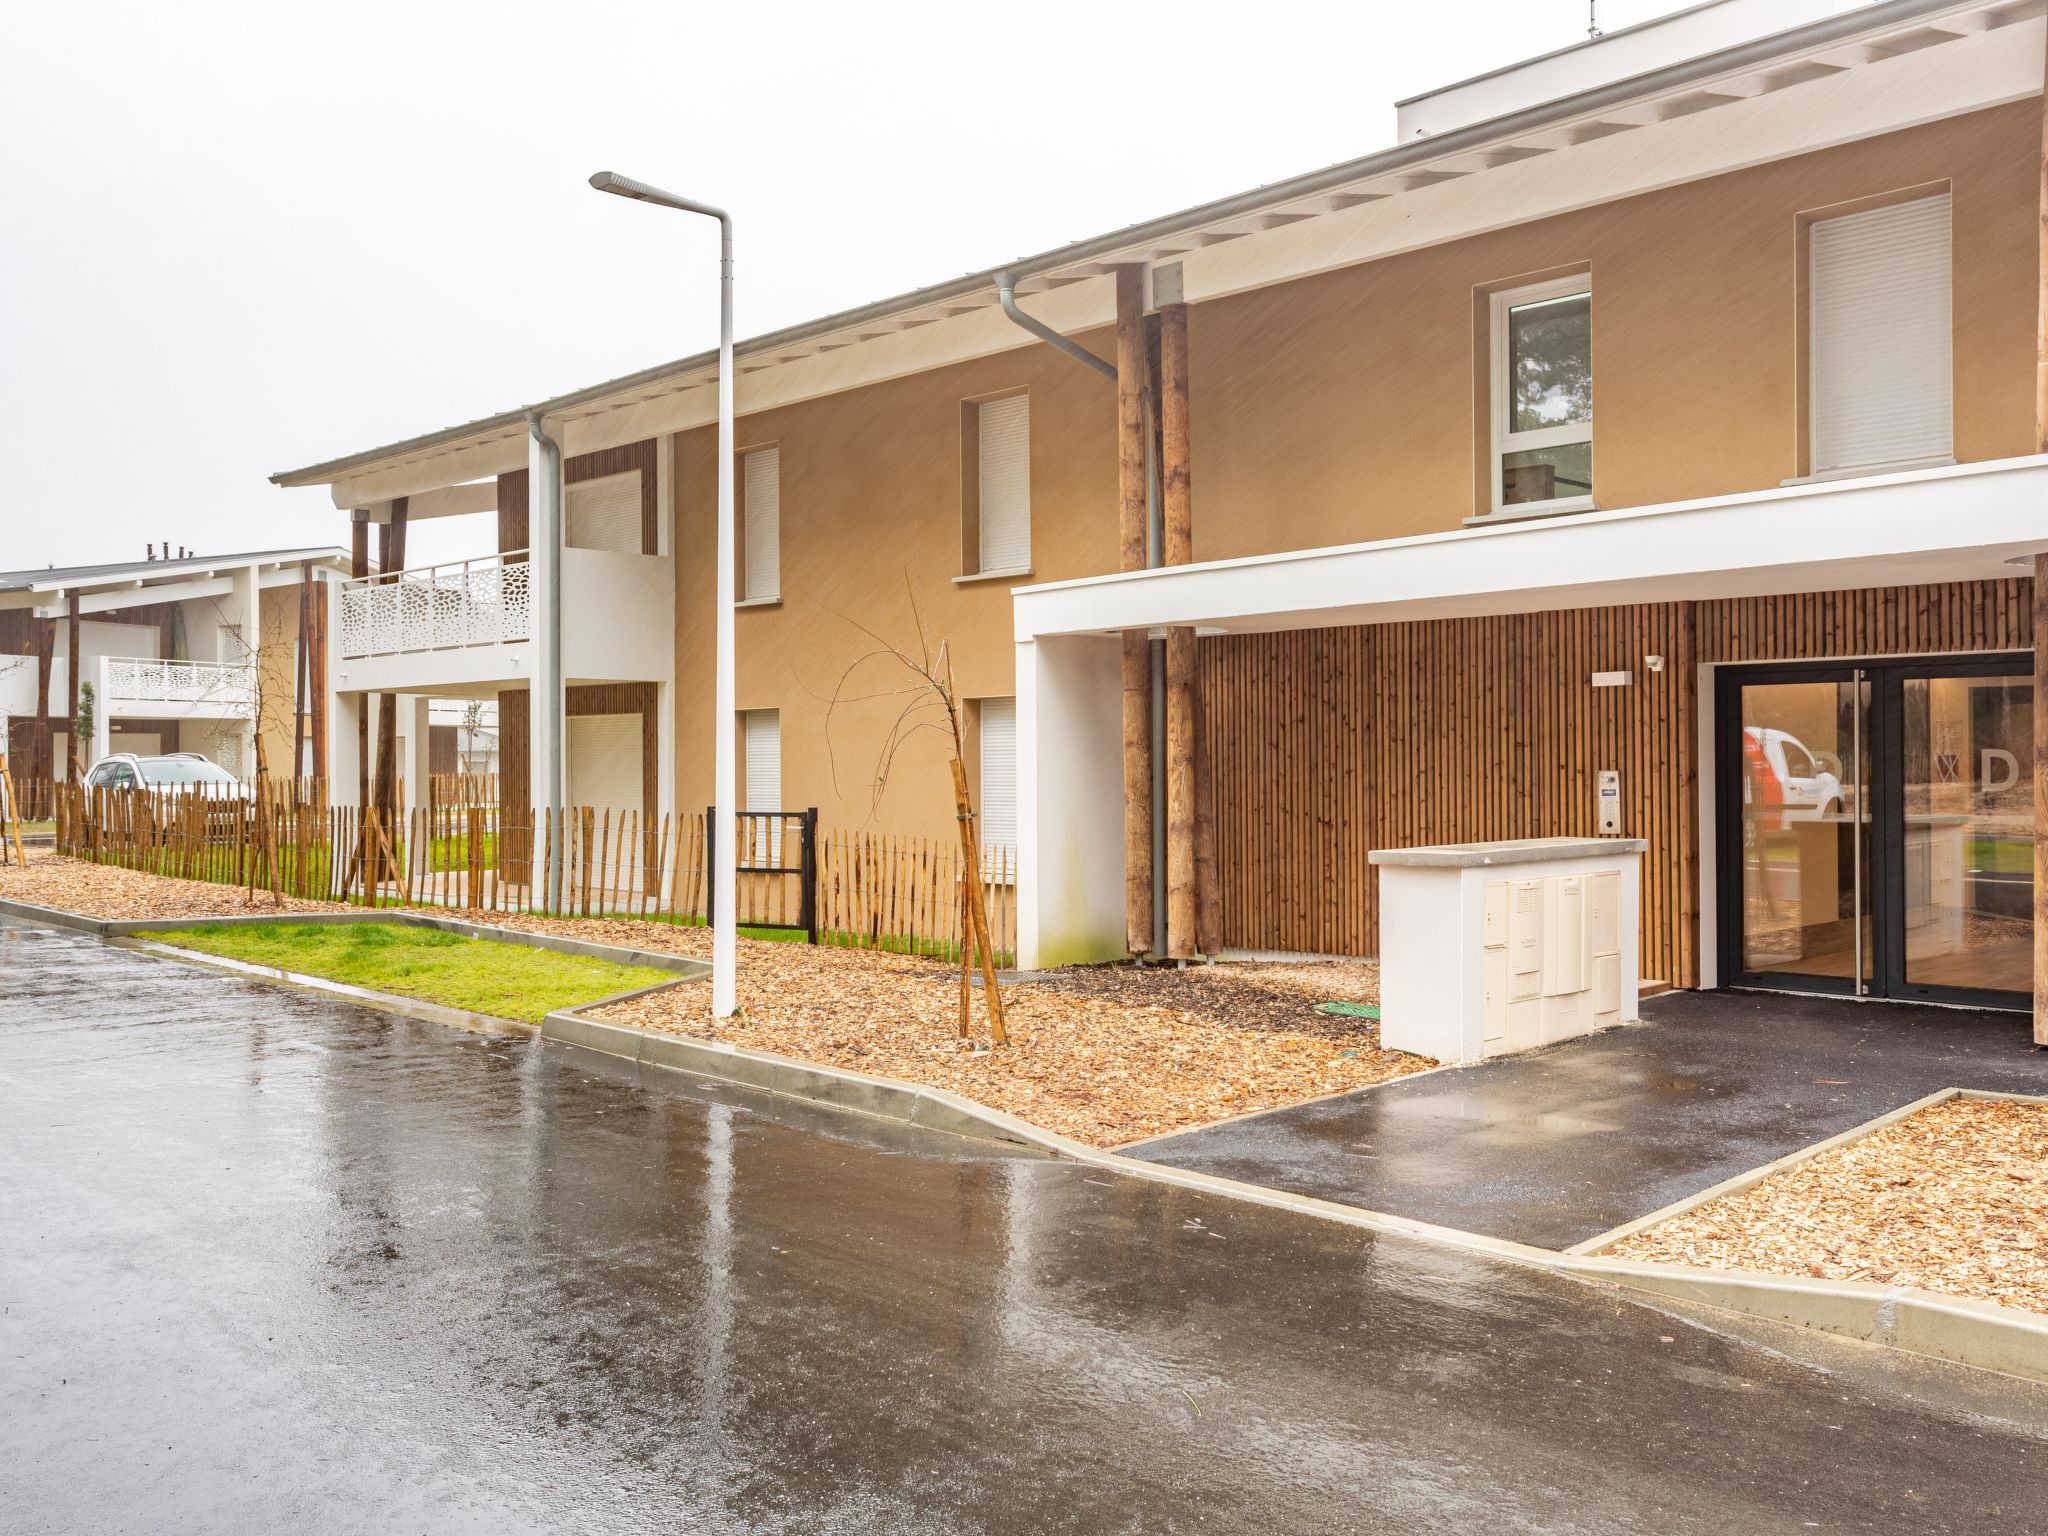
1952,1199
128,895
1103,1054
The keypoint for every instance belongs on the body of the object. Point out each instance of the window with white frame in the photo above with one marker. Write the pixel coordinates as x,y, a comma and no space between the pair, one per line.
1880,333
1002,484
1541,356
761,492
999,777
761,748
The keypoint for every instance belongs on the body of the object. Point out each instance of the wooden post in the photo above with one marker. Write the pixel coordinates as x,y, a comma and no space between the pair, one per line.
1177,548
71,687
1208,878
1132,369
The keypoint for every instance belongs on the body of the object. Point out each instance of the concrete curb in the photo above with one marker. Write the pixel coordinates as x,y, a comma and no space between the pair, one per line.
1973,1333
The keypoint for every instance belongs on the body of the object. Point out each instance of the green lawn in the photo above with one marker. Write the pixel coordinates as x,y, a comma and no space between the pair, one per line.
509,981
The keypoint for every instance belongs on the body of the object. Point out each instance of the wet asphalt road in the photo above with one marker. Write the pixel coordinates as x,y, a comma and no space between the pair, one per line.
275,1262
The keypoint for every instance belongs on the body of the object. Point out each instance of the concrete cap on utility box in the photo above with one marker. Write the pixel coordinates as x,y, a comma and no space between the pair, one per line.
1530,850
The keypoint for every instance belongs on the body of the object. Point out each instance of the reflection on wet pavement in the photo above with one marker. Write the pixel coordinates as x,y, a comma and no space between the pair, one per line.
275,1261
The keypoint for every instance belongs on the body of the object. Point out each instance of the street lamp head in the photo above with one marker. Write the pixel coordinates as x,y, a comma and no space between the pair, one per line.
641,192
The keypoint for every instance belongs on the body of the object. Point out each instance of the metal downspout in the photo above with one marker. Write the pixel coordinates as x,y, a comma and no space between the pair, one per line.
1155,540
549,538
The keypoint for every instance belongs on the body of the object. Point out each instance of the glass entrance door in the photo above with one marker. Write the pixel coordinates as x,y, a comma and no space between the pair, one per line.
1876,828
1805,861
1966,813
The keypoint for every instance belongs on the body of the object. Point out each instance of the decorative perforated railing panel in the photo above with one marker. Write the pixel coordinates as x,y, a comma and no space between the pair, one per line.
231,686
438,607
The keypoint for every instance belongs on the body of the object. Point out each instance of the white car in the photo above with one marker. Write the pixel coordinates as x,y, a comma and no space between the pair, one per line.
185,772
1782,772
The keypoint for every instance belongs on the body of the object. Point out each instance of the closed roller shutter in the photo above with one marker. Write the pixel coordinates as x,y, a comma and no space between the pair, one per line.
605,763
761,731
999,773
1881,337
604,514
1004,487
764,524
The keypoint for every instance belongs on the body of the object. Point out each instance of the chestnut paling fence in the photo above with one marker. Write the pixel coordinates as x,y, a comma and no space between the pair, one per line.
852,888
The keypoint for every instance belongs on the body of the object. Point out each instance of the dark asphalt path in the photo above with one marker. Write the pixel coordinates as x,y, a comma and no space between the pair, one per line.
278,1263
1558,1146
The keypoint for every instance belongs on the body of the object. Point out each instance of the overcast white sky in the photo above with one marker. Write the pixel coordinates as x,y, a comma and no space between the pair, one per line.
242,238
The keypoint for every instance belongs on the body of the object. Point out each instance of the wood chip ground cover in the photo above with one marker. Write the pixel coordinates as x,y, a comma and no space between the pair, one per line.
1952,1199
1106,1055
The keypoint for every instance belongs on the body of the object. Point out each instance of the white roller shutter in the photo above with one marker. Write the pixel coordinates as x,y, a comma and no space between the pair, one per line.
761,731
764,524
999,773
604,514
1004,487
1881,336
604,765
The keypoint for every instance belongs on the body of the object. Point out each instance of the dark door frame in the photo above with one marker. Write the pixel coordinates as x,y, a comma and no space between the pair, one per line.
1884,723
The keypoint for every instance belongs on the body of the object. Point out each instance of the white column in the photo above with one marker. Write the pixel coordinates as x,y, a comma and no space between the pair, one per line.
665,748
244,610
414,736
102,727
1070,801
344,712
548,744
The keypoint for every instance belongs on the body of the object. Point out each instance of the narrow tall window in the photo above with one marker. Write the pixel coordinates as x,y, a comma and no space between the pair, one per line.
1001,484
999,775
761,488
761,744
1542,366
1880,334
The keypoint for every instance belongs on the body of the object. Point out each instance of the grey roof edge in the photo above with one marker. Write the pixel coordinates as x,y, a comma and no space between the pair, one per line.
1756,51
121,570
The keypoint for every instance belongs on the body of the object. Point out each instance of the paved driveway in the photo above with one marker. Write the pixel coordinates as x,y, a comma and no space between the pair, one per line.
1563,1144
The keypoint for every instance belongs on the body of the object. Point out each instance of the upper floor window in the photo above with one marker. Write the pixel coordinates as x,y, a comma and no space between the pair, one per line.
996,454
1541,359
761,496
603,513
1879,331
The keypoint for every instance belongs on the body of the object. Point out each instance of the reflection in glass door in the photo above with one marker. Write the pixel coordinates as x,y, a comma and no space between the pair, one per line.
1806,858
1876,828
1967,806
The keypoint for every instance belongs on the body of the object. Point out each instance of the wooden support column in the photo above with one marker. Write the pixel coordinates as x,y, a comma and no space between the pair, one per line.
1177,548
301,658
390,559
359,567
1131,372
2041,601
71,682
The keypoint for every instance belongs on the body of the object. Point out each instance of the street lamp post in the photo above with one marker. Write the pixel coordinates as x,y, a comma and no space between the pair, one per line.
724,904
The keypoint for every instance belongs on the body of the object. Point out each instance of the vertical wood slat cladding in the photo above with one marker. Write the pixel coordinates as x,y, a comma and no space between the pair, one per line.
617,461
1329,743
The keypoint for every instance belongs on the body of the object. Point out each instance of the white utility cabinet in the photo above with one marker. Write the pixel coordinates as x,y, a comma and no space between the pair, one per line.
1487,948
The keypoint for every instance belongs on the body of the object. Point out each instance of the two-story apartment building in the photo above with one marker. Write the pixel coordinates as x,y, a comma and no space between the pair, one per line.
185,653
1320,544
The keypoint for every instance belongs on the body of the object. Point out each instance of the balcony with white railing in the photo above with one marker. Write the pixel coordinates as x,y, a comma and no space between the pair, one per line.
453,606
143,686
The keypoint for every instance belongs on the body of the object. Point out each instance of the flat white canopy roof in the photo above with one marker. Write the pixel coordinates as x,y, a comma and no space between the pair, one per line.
1962,523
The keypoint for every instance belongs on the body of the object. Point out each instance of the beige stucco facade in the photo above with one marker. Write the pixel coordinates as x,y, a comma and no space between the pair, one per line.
1343,407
